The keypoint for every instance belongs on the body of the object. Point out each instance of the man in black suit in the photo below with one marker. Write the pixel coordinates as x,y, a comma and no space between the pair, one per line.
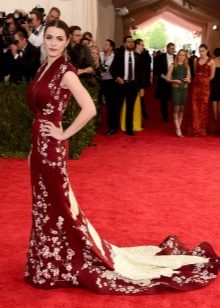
128,73
163,88
146,60
23,58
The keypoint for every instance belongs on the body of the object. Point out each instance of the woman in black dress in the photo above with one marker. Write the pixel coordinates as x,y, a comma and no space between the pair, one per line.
215,86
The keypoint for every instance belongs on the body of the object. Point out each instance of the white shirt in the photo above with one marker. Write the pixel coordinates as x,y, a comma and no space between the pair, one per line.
106,63
126,64
170,59
37,41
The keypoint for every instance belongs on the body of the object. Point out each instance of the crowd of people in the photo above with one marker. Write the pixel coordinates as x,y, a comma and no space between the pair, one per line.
122,74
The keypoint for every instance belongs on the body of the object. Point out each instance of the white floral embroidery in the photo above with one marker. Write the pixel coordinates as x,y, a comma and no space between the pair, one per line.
49,245
49,110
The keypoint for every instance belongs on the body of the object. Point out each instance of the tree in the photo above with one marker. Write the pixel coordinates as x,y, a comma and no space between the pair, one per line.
158,36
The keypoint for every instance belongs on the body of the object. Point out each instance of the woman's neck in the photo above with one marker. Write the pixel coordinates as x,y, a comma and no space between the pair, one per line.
51,60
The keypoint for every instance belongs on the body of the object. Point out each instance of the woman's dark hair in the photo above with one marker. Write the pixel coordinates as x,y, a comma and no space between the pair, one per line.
58,24
83,39
217,52
88,35
206,48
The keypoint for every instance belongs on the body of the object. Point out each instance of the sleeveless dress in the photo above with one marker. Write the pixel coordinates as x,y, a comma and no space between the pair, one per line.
179,92
64,249
200,98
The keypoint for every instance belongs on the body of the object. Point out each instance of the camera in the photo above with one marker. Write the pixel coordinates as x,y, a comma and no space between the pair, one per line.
104,68
9,40
19,18
2,18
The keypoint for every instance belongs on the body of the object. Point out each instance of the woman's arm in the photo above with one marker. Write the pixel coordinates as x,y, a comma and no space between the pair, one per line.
88,110
87,70
188,77
194,65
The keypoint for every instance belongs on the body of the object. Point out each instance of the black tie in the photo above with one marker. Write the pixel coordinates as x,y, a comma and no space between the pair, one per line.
35,32
130,69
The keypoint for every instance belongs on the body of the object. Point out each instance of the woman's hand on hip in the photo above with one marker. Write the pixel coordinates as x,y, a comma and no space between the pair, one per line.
50,130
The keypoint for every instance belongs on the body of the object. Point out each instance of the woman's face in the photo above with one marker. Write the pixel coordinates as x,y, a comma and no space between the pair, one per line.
203,52
182,56
55,41
95,53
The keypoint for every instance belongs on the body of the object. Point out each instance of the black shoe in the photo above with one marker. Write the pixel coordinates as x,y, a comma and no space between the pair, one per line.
110,132
129,132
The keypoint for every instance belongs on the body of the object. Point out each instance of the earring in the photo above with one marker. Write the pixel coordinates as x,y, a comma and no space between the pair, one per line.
65,54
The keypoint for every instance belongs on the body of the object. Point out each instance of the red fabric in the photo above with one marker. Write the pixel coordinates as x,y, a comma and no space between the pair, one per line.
200,98
160,174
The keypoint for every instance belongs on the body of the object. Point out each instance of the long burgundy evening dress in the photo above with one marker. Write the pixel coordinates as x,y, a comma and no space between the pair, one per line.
65,250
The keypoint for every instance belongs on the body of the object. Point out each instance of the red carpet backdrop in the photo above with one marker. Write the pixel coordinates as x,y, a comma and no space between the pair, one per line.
136,191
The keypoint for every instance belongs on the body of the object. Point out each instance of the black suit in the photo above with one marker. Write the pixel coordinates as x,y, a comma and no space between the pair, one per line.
26,64
163,88
128,90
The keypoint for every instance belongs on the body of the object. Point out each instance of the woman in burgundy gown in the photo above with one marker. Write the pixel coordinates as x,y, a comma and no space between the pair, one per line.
65,250
204,68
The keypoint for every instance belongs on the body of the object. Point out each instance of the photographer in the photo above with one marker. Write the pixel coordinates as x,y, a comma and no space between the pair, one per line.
35,29
24,58
8,27
108,84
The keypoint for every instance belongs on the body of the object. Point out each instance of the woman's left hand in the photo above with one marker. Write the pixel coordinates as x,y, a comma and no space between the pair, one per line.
50,130
187,79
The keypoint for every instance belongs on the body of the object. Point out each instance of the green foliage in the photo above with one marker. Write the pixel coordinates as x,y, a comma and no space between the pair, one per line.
154,35
16,121
143,34
158,36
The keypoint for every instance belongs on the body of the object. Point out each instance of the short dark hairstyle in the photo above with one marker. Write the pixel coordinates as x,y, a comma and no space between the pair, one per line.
22,33
217,52
127,37
138,41
9,16
55,9
39,15
170,45
111,43
74,28
58,24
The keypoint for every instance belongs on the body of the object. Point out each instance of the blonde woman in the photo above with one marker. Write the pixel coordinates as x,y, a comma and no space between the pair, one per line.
179,75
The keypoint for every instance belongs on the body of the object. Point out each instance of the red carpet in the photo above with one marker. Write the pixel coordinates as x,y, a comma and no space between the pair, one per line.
135,190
